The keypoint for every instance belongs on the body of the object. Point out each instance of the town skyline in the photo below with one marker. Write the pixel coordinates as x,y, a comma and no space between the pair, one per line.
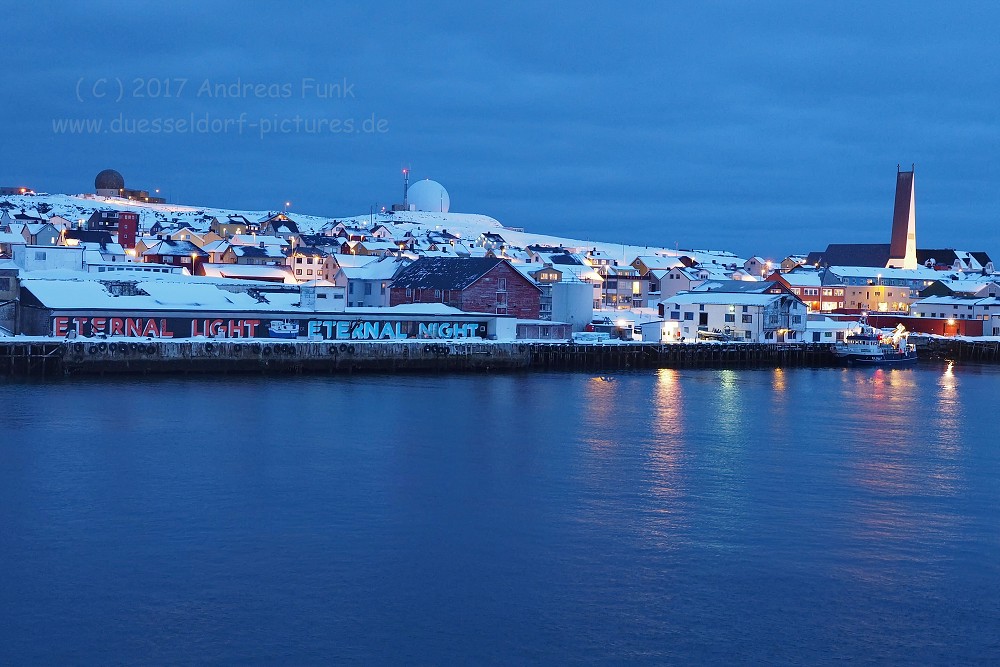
731,125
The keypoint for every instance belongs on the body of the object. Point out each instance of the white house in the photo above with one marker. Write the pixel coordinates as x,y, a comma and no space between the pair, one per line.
368,286
956,307
684,278
44,257
746,316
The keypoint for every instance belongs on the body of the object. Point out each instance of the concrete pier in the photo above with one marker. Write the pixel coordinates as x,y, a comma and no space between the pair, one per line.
123,356
985,351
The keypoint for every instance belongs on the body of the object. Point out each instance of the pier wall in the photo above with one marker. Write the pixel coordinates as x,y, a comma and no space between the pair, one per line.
98,357
984,351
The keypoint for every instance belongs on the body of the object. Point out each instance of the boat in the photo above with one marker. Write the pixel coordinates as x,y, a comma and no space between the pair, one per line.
870,347
283,329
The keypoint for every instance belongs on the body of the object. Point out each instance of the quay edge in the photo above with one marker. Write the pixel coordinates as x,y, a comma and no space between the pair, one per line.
51,358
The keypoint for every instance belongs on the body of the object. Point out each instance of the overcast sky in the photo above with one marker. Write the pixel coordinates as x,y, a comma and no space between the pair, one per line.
764,128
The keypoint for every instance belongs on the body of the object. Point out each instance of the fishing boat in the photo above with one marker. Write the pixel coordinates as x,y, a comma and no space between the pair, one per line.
283,329
871,347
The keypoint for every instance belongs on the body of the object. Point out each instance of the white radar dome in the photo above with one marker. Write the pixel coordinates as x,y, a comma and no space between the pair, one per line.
428,195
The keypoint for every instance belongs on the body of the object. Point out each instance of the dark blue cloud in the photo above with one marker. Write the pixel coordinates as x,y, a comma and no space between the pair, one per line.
760,129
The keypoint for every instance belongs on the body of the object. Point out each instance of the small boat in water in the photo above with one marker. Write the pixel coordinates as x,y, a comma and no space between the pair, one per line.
871,347
283,329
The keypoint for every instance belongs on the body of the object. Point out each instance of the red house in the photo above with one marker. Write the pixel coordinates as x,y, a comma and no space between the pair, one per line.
126,223
177,253
471,284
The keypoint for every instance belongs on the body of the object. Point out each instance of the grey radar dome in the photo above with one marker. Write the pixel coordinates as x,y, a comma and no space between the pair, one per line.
428,195
109,179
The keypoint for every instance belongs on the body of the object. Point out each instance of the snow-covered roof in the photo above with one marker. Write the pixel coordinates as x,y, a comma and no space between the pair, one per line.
257,240
921,273
956,300
216,246
803,278
383,270
11,237
723,298
92,294
250,272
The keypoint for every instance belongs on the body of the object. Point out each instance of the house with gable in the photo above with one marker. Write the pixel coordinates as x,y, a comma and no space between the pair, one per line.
475,285
745,316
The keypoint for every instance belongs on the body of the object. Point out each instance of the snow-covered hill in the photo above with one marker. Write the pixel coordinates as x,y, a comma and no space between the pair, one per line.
467,225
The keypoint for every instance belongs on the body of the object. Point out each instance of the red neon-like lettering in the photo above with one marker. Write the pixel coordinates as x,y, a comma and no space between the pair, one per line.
60,326
117,326
150,329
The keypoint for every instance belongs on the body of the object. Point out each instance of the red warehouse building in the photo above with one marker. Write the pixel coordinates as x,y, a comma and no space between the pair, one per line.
474,285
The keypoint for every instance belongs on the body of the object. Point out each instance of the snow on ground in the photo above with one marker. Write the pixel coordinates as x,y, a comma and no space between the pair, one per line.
468,225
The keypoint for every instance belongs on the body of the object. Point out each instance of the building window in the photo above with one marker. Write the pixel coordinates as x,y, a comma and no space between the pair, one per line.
383,289
688,315
39,256
502,285
368,289
409,293
796,319
746,309
730,317
675,314
437,294
298,272
747,319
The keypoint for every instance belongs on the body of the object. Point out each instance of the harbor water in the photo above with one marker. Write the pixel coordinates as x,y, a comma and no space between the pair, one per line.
657,516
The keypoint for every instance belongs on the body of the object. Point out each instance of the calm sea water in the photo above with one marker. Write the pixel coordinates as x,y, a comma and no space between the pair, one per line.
693,516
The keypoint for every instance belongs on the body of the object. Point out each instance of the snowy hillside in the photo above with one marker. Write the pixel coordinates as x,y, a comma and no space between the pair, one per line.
467,225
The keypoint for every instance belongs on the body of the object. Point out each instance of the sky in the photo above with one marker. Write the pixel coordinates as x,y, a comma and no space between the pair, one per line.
765,128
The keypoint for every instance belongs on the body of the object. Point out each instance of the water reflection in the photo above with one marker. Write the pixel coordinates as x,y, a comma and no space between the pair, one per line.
905,464
603,398
668,401
664,465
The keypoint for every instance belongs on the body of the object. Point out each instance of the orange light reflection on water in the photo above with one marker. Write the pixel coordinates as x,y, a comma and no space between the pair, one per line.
902,452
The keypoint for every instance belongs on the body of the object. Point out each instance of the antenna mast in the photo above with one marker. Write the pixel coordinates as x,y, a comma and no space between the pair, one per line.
406,187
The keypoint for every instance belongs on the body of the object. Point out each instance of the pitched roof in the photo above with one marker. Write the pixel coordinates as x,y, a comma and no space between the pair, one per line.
451,273
565,259
852,254
735,286
308,251
89,236
725,298
169,248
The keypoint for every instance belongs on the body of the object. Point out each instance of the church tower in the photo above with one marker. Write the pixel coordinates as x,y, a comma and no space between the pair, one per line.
903,245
